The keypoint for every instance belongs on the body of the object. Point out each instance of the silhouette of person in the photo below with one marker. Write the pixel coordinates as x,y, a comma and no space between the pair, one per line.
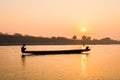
23,48
87,48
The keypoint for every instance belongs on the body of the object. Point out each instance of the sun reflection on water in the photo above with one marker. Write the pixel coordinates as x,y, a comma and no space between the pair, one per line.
83,64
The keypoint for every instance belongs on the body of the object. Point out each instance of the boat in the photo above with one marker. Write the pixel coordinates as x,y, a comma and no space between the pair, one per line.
77,51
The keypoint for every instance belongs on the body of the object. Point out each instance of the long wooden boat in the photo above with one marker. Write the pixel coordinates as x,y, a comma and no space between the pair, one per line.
58,51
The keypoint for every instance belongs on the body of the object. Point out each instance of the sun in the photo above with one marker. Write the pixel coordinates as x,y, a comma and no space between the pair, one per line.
83,29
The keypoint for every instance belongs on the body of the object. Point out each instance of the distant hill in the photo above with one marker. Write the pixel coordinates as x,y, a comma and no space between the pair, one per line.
18,39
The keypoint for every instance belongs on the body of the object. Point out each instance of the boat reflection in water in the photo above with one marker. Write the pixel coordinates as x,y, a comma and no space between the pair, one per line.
23,59
43,65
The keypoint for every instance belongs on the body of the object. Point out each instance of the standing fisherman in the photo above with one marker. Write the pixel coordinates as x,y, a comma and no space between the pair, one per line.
23,48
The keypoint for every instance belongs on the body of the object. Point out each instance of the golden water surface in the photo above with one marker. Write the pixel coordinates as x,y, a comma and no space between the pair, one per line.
101,63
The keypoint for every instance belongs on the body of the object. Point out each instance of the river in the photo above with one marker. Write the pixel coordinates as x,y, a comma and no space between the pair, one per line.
101,63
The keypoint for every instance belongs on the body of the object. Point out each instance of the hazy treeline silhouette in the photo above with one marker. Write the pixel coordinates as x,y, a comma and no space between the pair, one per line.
18,39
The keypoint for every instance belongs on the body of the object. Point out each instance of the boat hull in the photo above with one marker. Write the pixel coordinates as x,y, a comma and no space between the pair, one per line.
57,52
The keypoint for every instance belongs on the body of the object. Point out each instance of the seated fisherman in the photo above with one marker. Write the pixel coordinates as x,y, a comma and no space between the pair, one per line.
87,47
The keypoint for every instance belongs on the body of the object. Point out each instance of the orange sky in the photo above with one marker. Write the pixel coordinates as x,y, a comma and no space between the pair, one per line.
65,18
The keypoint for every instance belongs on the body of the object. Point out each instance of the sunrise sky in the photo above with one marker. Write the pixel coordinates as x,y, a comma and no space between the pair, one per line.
47,18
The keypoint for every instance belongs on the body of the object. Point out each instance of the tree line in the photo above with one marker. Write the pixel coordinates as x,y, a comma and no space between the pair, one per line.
19,39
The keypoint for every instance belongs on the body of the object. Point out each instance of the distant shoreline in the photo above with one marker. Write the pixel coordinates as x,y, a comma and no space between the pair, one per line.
52,44
19,39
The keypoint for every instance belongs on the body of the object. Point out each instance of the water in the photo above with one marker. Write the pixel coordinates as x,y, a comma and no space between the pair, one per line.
101,63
